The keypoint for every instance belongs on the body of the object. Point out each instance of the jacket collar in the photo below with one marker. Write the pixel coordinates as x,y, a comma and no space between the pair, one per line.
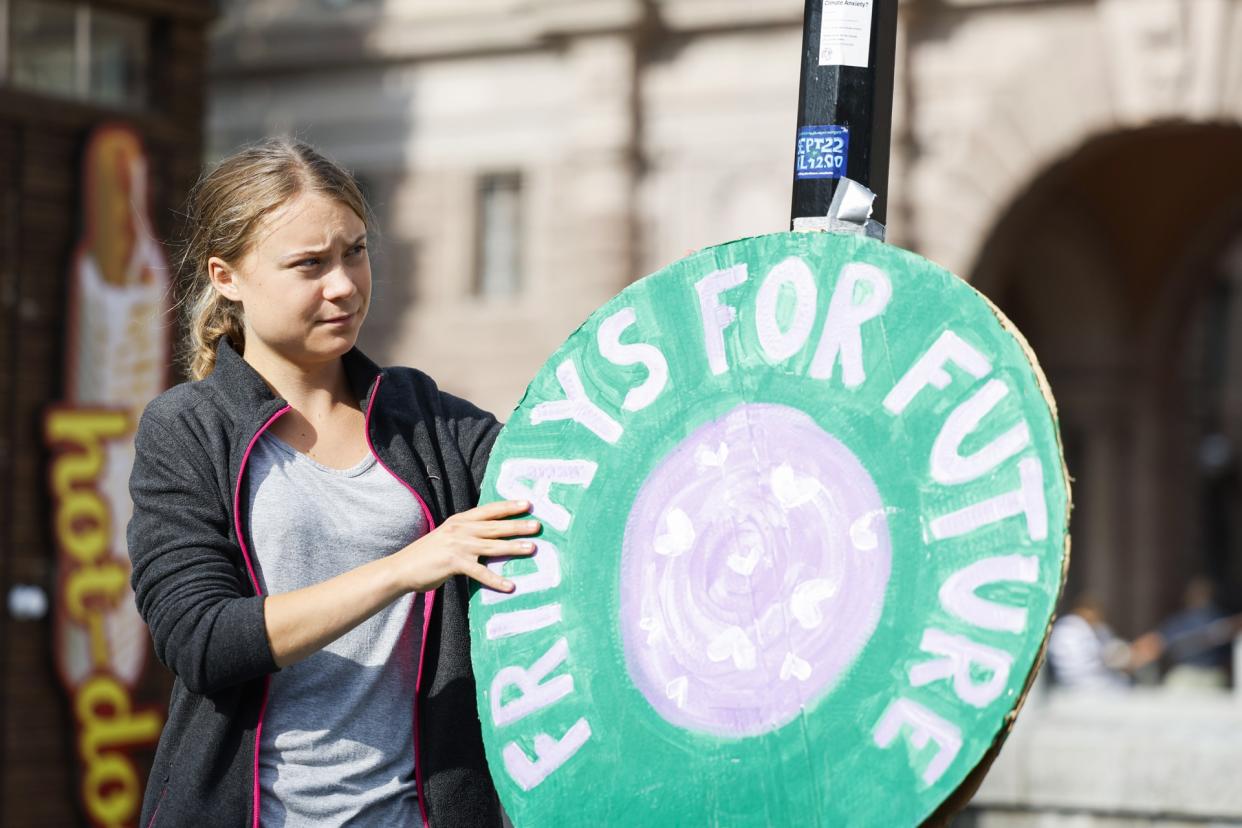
246,391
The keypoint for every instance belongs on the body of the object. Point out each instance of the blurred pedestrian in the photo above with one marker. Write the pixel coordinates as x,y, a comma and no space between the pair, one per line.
1197,639
1084,653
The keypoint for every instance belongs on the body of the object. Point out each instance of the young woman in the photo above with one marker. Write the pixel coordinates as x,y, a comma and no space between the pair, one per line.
304,526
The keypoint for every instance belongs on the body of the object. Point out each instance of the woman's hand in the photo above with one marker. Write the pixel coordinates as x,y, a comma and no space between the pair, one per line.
304,621
455,547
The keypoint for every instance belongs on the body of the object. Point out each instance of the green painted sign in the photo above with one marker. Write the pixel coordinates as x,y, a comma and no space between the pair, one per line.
805,524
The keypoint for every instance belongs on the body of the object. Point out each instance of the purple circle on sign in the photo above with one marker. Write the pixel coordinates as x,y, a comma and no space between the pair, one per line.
753,571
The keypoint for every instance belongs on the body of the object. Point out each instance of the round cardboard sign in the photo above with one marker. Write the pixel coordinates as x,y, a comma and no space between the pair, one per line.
804,515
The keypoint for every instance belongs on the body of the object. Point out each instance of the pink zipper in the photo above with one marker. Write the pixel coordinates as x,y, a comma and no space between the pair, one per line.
429,601
159,802
241,541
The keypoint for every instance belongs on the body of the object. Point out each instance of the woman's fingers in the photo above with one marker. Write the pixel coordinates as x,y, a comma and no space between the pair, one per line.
481,532
508,549
505,528
496,511
487,578
497,550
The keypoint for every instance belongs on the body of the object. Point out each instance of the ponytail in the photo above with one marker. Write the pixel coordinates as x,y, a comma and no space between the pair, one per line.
211,317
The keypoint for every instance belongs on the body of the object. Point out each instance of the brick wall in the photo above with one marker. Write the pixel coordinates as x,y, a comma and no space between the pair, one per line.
41,140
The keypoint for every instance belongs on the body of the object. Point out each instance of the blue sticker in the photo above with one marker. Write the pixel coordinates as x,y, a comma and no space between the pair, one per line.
823,152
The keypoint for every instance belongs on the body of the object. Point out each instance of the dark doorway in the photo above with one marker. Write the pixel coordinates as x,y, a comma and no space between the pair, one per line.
1121,264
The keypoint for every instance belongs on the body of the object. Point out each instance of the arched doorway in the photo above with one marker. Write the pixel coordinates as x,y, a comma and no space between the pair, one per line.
1122,264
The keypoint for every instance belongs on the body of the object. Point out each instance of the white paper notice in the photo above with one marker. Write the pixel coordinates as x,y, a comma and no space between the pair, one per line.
845,36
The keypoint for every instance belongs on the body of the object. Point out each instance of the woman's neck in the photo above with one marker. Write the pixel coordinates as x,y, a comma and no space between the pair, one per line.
314,390
325,422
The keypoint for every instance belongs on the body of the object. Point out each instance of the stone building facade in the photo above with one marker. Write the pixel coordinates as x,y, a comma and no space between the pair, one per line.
1080,161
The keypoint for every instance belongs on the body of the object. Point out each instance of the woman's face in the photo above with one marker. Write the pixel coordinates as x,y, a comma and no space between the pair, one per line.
305,282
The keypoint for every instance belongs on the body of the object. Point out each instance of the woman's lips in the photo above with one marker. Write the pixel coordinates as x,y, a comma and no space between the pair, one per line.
337,320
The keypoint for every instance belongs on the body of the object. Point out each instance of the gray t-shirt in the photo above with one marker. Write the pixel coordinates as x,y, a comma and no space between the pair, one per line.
337,746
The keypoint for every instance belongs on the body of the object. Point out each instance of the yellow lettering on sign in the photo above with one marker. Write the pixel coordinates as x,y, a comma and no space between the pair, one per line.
95,589
83,524
86,431
109,725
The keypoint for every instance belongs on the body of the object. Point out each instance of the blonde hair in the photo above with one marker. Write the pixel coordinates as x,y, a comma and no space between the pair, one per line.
225,210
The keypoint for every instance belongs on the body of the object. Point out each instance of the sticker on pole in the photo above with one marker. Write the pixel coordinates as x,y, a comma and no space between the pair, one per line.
823,152
845,33
804,516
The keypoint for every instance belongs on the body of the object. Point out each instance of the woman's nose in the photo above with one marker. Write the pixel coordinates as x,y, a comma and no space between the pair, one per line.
338,284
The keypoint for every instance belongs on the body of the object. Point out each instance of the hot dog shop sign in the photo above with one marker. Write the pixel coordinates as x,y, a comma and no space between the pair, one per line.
804,516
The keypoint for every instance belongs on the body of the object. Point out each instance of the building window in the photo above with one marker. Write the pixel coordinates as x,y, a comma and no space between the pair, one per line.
499,253
71,50
44,40
118,59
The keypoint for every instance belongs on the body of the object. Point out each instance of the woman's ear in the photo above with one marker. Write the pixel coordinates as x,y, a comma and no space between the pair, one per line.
223,278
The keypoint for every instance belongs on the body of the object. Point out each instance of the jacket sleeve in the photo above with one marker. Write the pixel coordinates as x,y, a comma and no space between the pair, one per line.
210,634
476,431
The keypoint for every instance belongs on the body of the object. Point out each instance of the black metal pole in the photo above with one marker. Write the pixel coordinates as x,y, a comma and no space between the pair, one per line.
845,102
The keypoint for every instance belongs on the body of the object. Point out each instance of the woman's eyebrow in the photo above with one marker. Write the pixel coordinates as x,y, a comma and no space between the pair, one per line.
319,251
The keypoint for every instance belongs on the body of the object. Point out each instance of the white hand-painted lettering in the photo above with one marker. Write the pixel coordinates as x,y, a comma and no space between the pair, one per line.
947,464
780,344
929,369
1027,499
842,334
925,726
550,754
959,656
515,474
509,624
547,574
651,357
717,316
958,593
576,407
534,693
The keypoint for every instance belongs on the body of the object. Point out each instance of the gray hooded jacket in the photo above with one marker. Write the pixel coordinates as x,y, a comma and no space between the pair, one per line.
197,587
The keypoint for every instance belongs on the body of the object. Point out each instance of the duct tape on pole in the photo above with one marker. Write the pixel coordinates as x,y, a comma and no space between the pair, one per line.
805,524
